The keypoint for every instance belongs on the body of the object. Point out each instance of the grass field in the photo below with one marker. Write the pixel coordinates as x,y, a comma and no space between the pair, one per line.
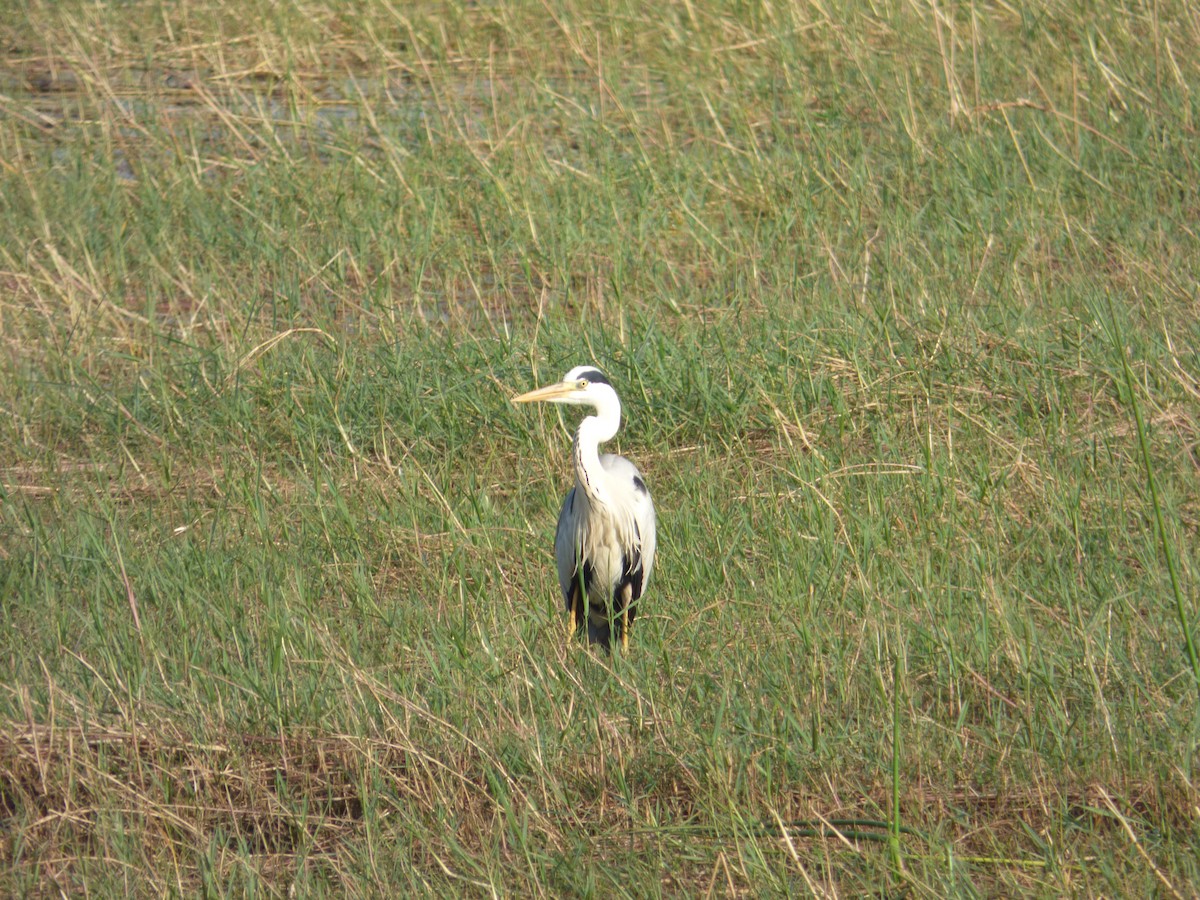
903,301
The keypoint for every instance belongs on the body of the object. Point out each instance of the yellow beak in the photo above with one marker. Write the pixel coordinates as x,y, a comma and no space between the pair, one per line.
557,391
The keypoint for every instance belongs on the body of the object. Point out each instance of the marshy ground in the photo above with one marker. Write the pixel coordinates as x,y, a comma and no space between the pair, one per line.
902,302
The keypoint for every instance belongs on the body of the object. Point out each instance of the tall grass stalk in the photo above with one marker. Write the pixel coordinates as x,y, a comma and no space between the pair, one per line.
1181,608
894,824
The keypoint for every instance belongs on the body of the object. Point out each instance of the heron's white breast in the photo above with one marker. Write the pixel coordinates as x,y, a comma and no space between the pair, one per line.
605,540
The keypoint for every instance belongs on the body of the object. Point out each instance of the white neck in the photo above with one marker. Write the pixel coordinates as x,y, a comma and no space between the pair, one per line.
594,431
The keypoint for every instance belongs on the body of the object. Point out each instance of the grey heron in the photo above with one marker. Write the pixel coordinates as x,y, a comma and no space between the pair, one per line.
604,543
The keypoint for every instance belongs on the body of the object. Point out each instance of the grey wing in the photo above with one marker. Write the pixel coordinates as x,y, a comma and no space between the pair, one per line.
648,526
564,545
642,508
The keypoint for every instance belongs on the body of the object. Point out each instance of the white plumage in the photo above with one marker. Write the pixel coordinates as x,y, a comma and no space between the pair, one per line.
606,530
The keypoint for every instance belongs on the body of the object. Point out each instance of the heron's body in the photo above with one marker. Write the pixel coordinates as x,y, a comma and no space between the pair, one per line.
604,544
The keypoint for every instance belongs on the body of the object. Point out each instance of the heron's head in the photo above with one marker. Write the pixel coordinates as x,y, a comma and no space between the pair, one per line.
582,386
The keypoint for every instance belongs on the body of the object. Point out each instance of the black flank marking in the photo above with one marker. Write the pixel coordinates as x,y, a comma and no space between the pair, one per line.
595,376
639,485
632,563
632,579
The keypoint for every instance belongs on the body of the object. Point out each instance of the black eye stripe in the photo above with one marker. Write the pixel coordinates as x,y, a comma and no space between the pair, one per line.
594,376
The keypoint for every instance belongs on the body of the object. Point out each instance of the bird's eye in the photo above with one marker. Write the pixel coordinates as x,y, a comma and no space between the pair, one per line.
582,383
